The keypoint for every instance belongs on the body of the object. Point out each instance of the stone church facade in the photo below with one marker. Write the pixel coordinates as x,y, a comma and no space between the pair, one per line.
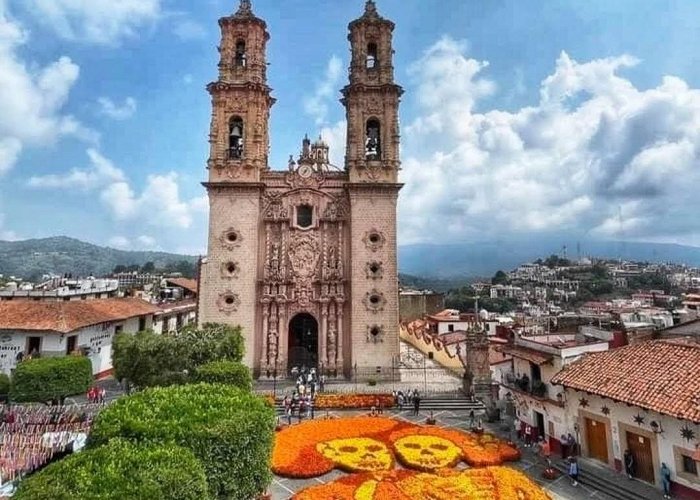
304,259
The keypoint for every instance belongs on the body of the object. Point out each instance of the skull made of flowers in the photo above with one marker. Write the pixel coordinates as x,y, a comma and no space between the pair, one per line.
357,454
427,452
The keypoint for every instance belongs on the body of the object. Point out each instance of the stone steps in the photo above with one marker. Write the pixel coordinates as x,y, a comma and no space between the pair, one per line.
619,490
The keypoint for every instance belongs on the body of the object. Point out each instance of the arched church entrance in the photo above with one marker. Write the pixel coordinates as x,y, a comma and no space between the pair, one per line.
303,342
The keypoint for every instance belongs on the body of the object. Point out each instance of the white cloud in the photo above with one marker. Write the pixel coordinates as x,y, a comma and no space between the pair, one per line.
105,22
593,146
116,111
316,105
147,241
334,136
32,98
119,242
101,173
159,204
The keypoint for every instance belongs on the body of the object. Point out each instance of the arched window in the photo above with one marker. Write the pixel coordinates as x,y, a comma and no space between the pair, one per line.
372,56
240,58
373,144
305,216
235,138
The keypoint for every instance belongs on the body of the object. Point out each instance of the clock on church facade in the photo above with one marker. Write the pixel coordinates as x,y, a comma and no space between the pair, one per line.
304,259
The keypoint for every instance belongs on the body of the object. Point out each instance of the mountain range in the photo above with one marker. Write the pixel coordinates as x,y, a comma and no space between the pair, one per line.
30,259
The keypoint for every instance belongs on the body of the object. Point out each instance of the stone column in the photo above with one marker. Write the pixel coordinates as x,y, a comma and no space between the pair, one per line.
282,337
340,344
322,335
265,331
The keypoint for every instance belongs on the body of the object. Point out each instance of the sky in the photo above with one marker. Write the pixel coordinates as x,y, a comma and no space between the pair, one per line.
520,117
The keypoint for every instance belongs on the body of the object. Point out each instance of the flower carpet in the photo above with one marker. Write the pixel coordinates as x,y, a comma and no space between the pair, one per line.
393,459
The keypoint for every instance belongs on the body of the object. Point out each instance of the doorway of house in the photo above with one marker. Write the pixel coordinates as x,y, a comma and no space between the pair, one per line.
640,447
597,439
303,342
539,422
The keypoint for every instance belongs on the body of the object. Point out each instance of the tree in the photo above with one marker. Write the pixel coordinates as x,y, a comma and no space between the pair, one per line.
229,430
51,379
148,359
500,278
148,268
120,470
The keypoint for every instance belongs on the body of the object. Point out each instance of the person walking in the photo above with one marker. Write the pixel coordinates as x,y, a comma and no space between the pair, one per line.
471,418
546,451
629,464
528,435
666,479
564,443
416,404
573,470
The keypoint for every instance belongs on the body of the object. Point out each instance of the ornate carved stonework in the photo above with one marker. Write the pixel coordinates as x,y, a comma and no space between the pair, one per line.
374,270
374,240
228,302
337,209
374,301
231,239
274,208
375,333
303,255
230,270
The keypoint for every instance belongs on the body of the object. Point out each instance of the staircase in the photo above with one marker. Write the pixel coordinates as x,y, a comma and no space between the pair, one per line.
433,403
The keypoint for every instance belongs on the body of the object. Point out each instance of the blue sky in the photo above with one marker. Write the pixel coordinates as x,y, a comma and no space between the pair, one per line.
520,116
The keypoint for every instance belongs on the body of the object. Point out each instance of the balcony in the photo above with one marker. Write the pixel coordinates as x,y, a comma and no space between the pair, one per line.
534,388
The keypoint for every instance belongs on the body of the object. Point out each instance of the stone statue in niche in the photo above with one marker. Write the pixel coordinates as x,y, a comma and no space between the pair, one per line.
331,343
272,346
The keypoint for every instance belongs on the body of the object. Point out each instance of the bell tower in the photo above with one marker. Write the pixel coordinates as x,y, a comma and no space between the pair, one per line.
241,100
372,163
372,101
238,161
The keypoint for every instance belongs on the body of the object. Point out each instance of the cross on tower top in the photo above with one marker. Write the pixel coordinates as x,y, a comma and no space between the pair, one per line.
245,8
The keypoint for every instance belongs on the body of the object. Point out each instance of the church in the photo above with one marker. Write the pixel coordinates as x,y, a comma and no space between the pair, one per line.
304,258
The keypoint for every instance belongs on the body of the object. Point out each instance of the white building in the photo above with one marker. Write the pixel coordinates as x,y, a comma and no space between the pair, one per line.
50,328
642,397
528,379
63,289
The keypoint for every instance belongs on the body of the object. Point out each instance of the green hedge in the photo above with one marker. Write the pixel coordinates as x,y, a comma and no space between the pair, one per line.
230,430
225,372
118,471
45,379
4,385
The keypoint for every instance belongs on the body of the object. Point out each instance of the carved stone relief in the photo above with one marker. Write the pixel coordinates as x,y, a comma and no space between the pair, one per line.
374,270
374,240
374,301
231,239
230,270
228,302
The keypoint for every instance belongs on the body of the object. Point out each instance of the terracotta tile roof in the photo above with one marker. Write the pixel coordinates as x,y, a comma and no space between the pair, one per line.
537,357
65,317
659,375
186,283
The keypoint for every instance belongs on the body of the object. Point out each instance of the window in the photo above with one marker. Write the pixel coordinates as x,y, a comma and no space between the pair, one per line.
305,216
690,466
373,145
240,58
372,56
142,323
450,328
235,138
71,344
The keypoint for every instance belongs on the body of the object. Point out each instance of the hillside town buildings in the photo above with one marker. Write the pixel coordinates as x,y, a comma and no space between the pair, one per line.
304,260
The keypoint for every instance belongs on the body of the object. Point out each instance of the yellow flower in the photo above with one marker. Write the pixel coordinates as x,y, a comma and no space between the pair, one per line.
357,454
427,452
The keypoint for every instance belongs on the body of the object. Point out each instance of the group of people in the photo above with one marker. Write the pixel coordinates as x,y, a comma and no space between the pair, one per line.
96,394
32,436
300,403
308,381
410,398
